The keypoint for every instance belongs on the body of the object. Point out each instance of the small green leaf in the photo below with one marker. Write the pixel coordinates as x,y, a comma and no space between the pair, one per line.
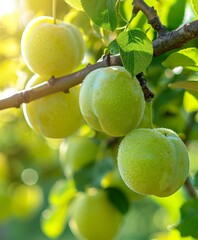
179,7
91,175
113,47
62,192
53,220
186,58
136,50
102,13
118,199
196,180
195,5
189,219
187,85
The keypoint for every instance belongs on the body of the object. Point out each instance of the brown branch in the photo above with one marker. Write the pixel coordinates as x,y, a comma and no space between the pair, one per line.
176,38
148,94
166,40
151,14
190,188
55,85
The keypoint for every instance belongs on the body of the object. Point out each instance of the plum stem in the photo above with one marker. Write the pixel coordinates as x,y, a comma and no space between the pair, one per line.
190,189
54,4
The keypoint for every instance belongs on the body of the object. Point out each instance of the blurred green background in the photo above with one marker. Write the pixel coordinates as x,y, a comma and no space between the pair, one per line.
29,163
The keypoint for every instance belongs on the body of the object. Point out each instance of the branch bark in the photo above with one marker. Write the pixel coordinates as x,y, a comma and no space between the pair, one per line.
55,85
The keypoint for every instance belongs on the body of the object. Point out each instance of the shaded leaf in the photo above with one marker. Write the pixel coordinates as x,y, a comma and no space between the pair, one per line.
62,192
136,50
196,180
186,58
118,199
113,47
91,174
102,13
53,220
187,85
189,219
179,7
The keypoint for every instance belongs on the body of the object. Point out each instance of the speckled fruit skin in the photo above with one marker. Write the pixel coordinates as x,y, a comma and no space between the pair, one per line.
153,161
94,217
51,49
111,101
56,115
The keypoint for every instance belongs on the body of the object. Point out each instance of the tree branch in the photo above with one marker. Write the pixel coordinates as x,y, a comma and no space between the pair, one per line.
151,15
56,85
176,38
190,188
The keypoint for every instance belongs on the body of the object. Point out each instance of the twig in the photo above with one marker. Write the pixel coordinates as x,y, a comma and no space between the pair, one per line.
187,131
55,85
176,38
166,40
151,14
190,189
148,94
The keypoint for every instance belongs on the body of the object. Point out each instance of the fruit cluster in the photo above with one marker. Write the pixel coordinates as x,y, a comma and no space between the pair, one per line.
52,49
150,161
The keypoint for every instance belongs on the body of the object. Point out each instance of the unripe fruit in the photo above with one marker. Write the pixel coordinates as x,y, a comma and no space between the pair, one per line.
51,49
111,101
76,153
94,217
56,115
153,161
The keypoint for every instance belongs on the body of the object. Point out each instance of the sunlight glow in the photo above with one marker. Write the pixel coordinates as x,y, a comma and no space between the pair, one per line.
7,7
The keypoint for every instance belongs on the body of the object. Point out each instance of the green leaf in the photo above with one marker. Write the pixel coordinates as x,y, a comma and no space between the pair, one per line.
53,220
195,182
91,175
102,13
179,7
186,58
136,50
62,192
187,85
75,4
189,219
113,47
195,5
118,199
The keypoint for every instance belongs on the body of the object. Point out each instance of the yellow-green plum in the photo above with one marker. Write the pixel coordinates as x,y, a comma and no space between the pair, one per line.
153,161
76,152
111,101
94,217
51,49
26,200
56,115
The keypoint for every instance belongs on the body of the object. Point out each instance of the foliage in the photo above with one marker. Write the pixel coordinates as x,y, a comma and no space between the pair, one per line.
36,197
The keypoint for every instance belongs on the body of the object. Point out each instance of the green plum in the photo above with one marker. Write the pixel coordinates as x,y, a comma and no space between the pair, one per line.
112,101
94,217
153,161
76,152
